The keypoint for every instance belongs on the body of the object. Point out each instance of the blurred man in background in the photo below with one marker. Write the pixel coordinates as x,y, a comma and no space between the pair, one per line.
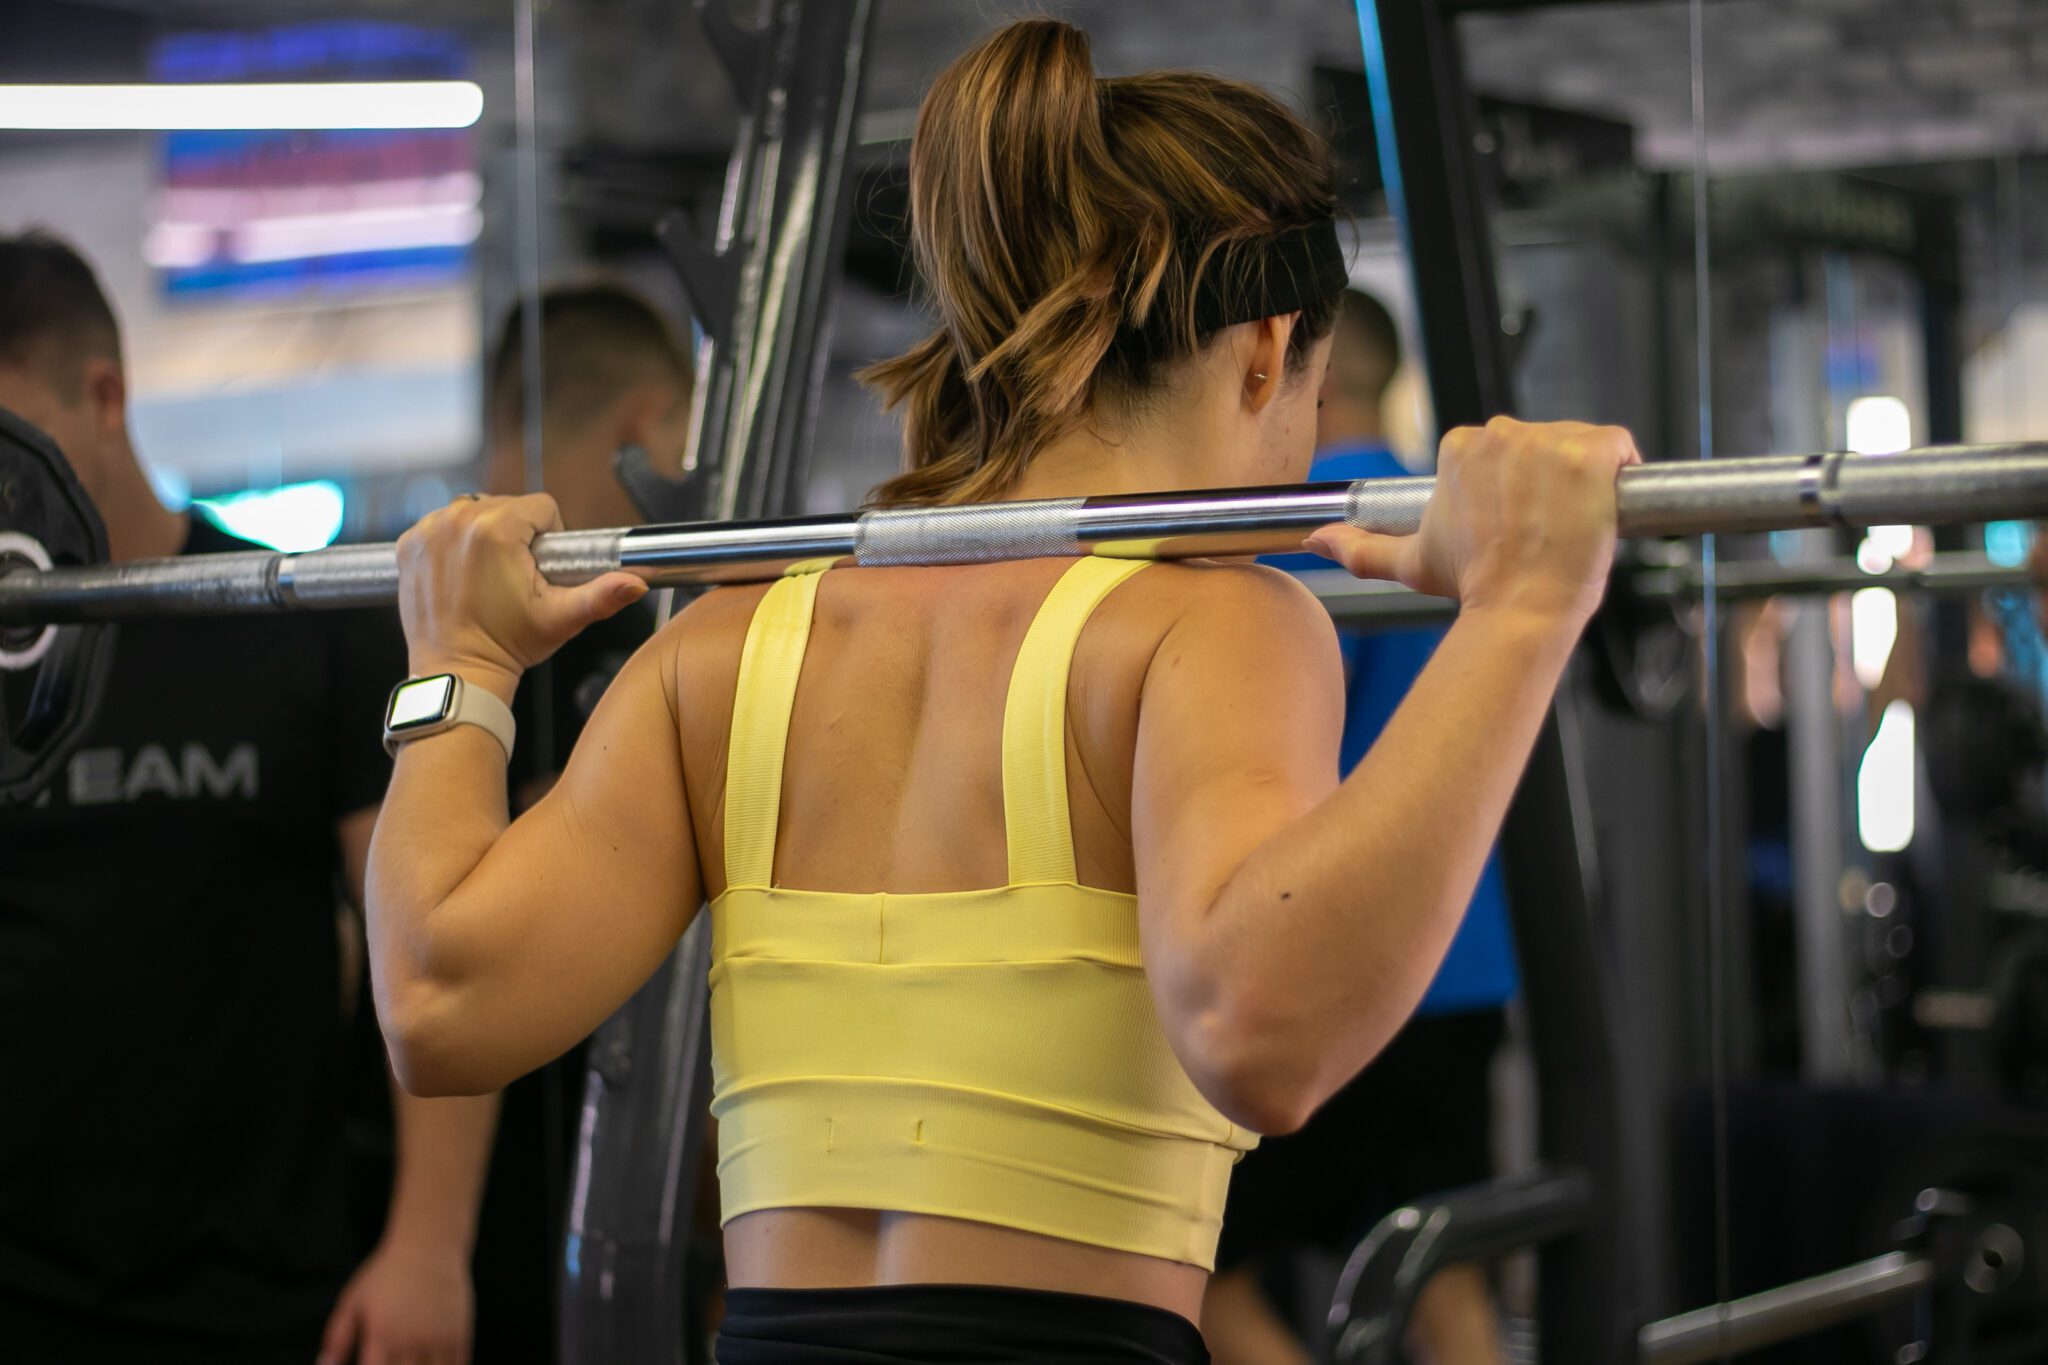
614,374
172,1183
1418,1120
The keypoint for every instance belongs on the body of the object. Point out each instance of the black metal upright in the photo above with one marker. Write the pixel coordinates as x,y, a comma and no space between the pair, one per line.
761,289
1422,112
1937,261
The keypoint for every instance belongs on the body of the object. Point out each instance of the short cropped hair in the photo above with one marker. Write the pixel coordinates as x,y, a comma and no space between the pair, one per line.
1370,343
54,315
597,340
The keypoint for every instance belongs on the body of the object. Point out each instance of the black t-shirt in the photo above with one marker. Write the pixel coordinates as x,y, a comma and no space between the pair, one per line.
170,1021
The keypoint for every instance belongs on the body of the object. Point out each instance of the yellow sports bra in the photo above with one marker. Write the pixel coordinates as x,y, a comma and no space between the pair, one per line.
990,1055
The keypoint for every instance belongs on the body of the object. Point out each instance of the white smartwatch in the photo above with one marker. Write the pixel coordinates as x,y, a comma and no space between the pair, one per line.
427,706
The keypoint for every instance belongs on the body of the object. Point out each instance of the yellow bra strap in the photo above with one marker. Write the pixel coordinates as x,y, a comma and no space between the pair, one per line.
1041,834
770,664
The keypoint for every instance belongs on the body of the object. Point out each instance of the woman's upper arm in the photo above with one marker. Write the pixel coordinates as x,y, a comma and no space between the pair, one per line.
586,893
1239,722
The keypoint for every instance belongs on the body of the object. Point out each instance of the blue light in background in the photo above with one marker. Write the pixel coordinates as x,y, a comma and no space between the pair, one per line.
325,50
291,517
2007,542
172,489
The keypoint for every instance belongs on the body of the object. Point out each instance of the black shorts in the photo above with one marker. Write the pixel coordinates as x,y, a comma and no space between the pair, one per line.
1417,1121
958,1324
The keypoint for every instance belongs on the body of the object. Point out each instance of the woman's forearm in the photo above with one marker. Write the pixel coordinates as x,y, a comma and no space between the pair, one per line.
1331,930
445,808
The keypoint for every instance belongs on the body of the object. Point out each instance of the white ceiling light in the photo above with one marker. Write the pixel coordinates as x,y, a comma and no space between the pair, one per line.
1873,630
327,104
1884,783
1878,425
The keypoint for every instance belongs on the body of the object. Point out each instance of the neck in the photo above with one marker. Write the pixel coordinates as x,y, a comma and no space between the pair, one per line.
138,526
1088,462
1346,423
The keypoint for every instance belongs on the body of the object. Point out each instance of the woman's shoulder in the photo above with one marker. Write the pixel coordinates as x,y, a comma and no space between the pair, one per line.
720,610
715,620
701,643
1201,593
1211,614
1236,639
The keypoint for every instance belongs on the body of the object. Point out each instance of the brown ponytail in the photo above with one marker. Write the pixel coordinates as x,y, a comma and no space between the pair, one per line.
1063,225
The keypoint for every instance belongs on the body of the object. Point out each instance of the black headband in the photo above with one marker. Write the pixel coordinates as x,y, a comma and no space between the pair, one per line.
1284,275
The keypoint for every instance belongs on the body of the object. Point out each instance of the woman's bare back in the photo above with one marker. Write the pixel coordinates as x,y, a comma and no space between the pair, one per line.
893,778
892,782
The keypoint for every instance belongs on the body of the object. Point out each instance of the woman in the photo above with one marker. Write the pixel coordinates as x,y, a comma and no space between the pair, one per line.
1034,893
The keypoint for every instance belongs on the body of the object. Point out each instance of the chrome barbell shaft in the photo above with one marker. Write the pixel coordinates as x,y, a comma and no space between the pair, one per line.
1937,485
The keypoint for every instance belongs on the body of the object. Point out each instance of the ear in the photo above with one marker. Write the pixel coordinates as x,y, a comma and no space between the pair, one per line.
656,418
637,415
1265,359
106,394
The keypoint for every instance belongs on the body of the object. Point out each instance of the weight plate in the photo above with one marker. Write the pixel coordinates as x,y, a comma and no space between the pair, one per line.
23,646
1991,1304
1646,648
49,694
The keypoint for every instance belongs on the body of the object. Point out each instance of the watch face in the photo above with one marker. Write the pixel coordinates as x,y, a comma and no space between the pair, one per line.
420,702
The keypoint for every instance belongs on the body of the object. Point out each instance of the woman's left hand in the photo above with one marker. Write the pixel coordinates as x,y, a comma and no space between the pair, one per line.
473,601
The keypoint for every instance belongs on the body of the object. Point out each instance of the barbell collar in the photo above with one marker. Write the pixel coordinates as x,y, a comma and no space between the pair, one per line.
1932,486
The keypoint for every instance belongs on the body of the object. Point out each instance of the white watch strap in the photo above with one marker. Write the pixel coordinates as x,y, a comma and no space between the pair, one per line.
479,706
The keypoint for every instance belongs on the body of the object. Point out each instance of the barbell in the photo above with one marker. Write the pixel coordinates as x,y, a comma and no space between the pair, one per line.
54,581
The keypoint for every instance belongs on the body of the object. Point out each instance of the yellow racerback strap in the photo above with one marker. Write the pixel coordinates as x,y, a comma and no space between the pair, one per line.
770,663
1041,834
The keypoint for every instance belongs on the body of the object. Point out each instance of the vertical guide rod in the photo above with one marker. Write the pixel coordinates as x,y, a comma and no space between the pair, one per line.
1422,116
532,364
629,1280
1710,644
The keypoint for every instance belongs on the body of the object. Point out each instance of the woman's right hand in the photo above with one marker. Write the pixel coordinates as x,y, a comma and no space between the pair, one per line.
472,600
1523,519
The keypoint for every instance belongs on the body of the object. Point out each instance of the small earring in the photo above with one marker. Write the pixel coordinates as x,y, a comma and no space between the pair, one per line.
1259,375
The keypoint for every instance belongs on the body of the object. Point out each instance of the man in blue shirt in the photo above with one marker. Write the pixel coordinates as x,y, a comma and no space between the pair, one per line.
1418,1120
